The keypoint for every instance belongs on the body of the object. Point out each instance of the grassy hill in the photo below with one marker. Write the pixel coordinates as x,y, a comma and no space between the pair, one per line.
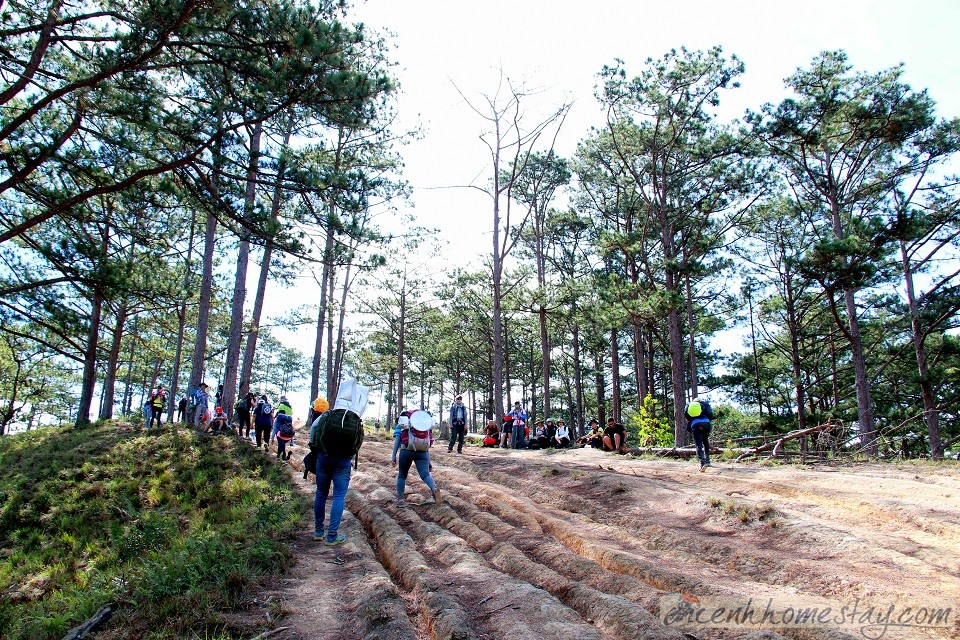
169,529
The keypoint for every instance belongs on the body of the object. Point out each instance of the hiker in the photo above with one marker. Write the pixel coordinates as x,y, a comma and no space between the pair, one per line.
201,405
519,426
540,439
413,444
157,401
333,455
243,409
506,431
219,423
561,439
458,424
182,409
490,434
614,436
283,430
219,397
263,421
594,437
699,413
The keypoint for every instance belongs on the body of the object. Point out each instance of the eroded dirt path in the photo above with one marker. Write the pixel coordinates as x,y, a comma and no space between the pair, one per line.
582,544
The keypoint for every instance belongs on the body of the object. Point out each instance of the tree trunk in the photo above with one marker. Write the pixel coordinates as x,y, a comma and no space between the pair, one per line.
578,380
203,309
600,386
639,367
181,326
338,365
930,414
691,328
250,349
125,406
89,380
240,281
110,377
615,374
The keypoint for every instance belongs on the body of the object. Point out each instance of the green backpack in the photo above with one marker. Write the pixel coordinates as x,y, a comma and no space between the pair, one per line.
338,433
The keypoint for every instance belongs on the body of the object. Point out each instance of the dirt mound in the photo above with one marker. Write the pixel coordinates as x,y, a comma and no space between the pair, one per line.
580,544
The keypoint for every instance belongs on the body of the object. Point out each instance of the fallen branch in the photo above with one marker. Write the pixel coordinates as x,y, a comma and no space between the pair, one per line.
80,632
267,634
793,435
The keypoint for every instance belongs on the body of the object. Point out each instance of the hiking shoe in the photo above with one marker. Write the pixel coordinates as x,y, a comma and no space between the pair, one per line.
703,467
401,502
332,542
437,498
318,536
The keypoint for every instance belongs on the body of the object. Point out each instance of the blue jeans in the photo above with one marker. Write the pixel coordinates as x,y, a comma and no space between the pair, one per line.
422,460
517,441
702,439
336,470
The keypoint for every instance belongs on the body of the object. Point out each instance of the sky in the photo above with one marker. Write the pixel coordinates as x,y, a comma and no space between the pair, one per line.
450,53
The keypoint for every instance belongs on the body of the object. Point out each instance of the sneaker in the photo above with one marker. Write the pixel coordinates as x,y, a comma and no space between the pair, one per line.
318,536
332,542
437,498
401,502
703,467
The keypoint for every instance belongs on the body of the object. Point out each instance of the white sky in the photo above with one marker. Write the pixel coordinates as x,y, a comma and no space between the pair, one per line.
561,45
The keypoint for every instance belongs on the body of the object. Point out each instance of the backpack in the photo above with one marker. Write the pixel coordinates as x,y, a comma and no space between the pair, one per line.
338,433
265,408
419,435
286,427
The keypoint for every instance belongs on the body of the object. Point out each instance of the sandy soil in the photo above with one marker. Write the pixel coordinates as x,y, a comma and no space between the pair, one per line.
583,544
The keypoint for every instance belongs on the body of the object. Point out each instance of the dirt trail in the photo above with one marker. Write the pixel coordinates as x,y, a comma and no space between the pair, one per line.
582,544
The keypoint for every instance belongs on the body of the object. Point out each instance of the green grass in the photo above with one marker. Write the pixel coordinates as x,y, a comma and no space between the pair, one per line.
170,536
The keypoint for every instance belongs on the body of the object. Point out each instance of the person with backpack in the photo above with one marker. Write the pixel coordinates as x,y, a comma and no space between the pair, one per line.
158,400
413,444
263,421
283,431
200,403
490,434
335,439
699,413
243,409
458,424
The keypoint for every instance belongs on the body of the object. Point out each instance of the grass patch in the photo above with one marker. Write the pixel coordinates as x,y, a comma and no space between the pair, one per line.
746,513
170,532
576,473
550,472
618,488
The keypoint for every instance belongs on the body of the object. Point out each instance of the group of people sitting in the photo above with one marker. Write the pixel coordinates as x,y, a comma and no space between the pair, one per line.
551,433
612,438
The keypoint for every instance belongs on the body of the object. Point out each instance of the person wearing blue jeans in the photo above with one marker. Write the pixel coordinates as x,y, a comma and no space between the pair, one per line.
336,471
699,413
422,460
519,440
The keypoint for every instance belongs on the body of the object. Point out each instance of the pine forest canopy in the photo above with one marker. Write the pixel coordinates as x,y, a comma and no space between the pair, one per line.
150,152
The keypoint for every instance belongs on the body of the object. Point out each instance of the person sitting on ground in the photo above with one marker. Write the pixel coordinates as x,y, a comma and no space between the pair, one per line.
614,436
491,433
594,437
539,439
561,439
219,422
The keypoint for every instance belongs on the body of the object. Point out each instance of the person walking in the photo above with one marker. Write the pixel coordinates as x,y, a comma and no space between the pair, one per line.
244,408
458,424
158,400
263,421
182,409
411,425
699,413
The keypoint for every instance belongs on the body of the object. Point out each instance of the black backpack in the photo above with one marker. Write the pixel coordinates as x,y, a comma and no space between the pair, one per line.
338,433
